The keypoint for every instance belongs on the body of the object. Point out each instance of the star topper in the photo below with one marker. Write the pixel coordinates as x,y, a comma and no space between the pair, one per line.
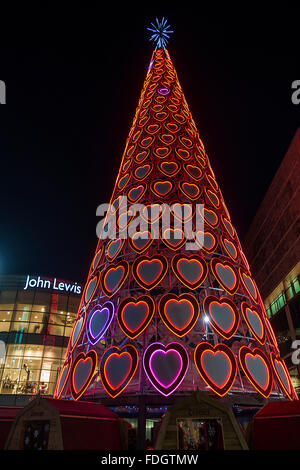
161,33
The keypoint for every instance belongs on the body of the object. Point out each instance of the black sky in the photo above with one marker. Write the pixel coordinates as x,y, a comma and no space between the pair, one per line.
73,82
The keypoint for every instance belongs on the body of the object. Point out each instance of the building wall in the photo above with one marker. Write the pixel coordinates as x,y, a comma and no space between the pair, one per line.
35,325
273,240
273,248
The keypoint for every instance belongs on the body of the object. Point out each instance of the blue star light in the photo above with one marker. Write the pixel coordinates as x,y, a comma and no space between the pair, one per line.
161,33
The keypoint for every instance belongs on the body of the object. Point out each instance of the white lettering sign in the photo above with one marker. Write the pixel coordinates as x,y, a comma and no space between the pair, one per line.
40,283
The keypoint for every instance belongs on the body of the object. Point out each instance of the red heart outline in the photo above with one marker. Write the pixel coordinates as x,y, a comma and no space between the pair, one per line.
161,116
216,261
167,141
96,258
149,259
169,128
146,142
83,318
68,365
186,142
228,226
162,152
189,258
112,242
87,287
165,239
253,308
165,301
114,350
244,273
202,214
153,128
92,356
184,188
141,156
187,217
125,177
203,247
212,182
126,166
143,186
148,241
224,240
189,165
162,165
204,348
184,154
145,299
181,351
243,353
291,392
156,191
122,264
211,198
154,219
146,165
208,301
128,219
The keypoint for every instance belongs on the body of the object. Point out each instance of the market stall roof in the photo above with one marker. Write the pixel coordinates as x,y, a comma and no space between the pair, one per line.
279,409
277,426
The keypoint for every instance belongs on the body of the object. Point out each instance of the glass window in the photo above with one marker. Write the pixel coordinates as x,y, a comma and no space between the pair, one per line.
41,302
296,285
25,297
5,319
73,304
7,299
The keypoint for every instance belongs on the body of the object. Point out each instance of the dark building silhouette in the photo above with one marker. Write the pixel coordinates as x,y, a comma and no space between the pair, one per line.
273,248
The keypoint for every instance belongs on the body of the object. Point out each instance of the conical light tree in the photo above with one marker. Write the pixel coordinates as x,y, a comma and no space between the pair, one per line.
169,305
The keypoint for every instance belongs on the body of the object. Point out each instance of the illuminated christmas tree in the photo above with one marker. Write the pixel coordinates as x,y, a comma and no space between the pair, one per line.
168,309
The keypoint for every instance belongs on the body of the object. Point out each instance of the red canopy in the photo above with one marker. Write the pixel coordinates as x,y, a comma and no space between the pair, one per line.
277,426
84,425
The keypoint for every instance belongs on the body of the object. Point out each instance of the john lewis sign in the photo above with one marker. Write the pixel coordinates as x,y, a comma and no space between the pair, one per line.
33,282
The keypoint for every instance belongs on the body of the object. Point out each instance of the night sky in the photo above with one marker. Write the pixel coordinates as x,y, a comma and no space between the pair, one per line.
73,82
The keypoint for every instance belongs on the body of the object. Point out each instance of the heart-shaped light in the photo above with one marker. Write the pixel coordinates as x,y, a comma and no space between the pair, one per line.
179,313
140,241
257,369
191,190
173,238
149,271
62,379
114,277
135,314
223,315
161,188
193,171
117,368
255,321
249,284
283,376
206,241
217,366
136,193
90,288
142,172
76,331
169,168
98,321
113,248
166,366
226,275
190,270
82,372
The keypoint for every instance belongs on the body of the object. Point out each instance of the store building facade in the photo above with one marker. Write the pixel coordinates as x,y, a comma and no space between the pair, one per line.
36,319
272,245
